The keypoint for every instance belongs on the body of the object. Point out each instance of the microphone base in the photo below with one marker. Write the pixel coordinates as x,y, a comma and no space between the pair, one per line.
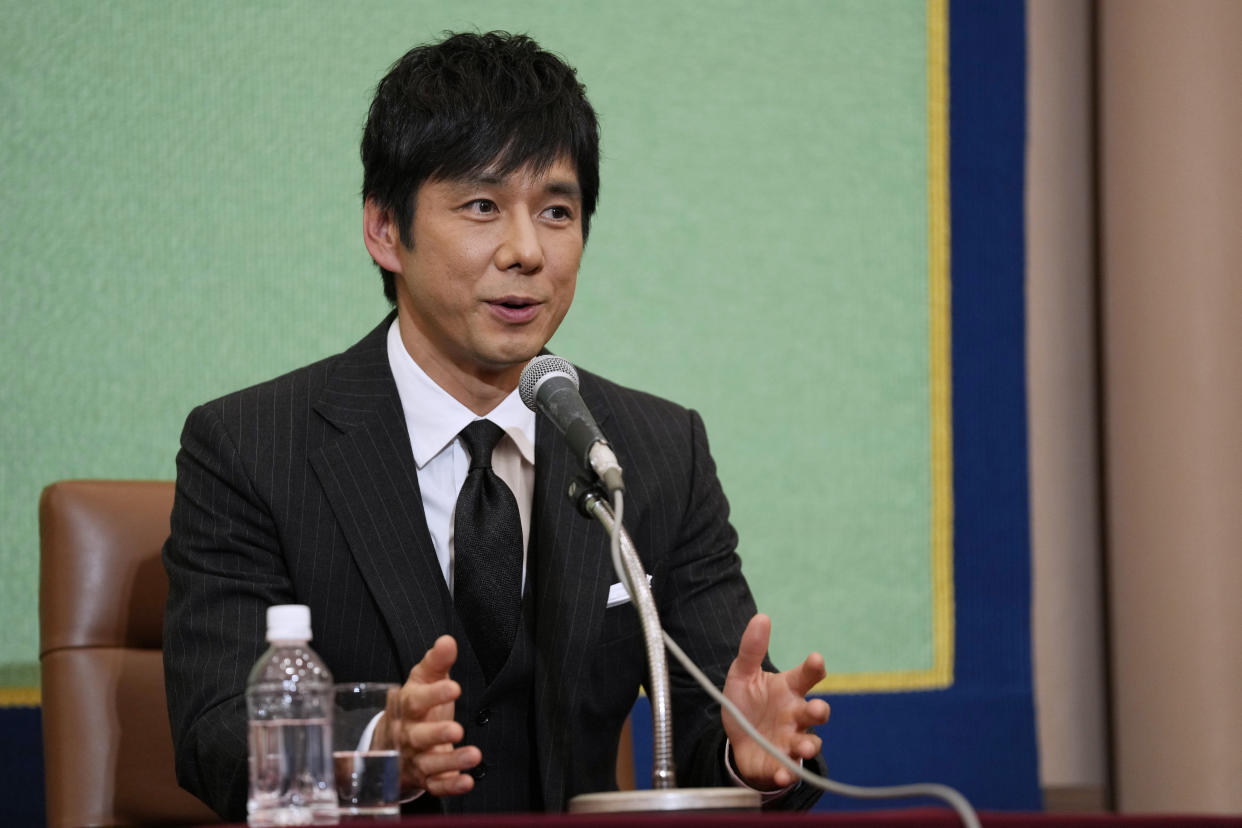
667,799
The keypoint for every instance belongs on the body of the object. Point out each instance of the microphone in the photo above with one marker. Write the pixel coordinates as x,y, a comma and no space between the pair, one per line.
549,385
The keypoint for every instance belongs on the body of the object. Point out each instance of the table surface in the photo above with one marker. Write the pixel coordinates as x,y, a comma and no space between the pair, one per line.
933,817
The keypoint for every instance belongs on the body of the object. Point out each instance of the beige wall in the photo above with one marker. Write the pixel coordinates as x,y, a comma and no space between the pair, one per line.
1167,143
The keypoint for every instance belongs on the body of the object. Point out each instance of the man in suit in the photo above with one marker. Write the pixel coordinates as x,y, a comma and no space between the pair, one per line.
340,486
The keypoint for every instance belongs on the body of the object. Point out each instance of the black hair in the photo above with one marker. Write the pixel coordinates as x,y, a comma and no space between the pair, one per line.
473,103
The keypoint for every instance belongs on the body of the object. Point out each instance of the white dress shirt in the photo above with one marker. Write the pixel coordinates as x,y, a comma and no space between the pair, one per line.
434,419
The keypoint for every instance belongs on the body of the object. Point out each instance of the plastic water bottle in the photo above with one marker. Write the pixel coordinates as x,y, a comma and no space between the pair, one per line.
289,699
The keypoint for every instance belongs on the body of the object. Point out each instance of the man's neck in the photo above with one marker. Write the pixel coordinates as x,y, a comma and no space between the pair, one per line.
476,387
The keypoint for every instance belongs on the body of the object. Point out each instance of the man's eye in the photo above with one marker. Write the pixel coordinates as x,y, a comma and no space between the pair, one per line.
482,205
558,213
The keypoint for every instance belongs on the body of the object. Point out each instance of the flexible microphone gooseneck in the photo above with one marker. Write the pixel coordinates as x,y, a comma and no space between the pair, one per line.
549,385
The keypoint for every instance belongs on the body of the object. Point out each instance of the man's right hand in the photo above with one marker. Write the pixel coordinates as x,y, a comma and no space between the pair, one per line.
427,732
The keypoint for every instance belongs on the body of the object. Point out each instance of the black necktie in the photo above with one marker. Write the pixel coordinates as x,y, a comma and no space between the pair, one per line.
487,547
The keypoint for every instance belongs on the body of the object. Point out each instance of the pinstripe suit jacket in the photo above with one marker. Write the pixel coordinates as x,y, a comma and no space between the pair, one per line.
304,490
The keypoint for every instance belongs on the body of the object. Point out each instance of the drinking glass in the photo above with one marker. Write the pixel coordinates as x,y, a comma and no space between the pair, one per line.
368,782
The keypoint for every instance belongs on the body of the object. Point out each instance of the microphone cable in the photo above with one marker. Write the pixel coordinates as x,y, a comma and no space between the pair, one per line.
946,794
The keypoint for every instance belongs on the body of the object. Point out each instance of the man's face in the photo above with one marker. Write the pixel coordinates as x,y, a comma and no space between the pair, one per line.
491,273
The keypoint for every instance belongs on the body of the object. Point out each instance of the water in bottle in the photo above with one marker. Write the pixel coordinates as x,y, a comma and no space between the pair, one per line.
289,700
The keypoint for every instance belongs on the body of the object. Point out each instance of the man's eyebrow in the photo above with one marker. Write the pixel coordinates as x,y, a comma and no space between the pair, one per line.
564,187
558,186
465,182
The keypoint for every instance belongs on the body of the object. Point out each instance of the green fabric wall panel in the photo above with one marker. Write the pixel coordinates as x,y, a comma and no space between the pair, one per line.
181,218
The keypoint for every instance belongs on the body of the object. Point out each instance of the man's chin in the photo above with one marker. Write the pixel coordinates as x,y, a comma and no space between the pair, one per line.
514,355
508,366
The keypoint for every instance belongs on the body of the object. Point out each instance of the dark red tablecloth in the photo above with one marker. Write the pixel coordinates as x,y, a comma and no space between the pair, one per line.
933,817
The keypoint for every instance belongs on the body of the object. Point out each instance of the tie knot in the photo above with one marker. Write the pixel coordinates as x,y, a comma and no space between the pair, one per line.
480,438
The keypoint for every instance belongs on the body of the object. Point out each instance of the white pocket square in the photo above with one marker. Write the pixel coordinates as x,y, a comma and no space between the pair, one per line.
618,594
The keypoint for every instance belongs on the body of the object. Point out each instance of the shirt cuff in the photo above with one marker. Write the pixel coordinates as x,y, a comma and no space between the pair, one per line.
364,742
764,796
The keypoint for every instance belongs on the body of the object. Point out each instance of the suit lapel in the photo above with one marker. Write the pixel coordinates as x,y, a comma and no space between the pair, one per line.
573,572
371,482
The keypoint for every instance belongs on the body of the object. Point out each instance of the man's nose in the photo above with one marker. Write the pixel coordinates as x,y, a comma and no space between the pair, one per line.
520,248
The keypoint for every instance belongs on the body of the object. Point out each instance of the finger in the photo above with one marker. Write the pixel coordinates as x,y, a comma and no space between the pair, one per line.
435,764
807,747
418,700
436,661
449,784
424,736
754,645
806,675
815,712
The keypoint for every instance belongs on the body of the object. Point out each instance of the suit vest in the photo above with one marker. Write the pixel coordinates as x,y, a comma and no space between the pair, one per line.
498,719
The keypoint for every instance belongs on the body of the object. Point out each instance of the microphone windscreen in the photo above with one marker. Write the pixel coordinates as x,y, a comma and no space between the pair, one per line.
535,372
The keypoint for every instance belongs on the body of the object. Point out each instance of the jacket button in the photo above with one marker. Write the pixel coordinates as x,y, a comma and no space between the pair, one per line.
479,771
484,716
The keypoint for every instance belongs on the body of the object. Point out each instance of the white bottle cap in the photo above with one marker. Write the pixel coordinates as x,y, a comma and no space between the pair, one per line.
288,622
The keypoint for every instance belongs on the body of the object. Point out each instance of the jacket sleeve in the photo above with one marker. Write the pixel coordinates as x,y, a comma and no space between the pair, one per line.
224,569
705,604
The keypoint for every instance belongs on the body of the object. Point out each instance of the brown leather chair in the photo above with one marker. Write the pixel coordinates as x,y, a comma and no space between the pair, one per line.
107,746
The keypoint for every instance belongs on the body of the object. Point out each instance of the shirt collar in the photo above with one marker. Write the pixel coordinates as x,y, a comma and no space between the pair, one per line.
434,418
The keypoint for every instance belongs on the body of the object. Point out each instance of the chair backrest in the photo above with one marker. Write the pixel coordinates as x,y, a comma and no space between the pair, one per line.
107,745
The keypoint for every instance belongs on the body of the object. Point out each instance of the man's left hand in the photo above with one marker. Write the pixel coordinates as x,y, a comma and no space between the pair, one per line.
776,704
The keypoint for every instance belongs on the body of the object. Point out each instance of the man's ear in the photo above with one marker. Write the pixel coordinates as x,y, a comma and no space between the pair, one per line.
381,236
